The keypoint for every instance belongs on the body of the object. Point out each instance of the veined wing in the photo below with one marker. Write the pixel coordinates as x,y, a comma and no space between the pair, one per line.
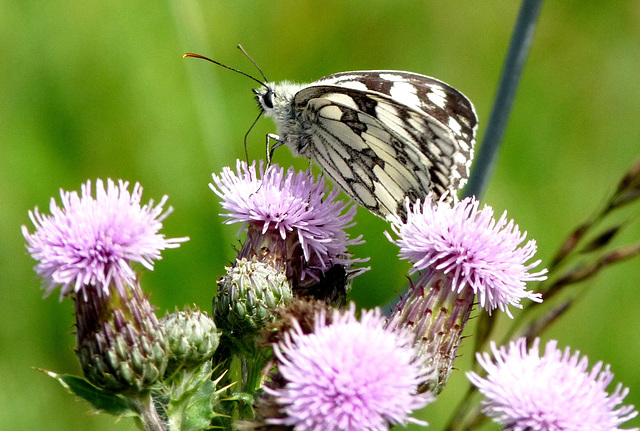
379,149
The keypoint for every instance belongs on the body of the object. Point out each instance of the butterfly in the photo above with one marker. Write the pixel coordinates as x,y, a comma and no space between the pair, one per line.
382,135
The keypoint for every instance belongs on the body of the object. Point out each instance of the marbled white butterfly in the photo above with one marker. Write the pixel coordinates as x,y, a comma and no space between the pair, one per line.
382,135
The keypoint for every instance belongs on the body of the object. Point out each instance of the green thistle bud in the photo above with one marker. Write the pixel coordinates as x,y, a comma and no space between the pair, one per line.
192,335
247,296
121,346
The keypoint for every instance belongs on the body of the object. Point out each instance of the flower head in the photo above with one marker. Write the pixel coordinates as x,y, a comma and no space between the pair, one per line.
348,375
555,392
295,208
90,241
472,248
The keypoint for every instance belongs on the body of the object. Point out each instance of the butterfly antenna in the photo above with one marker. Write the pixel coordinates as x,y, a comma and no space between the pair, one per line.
190,54
246,135
253,61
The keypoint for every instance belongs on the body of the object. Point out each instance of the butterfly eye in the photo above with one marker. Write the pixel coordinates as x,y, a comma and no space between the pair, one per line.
267,99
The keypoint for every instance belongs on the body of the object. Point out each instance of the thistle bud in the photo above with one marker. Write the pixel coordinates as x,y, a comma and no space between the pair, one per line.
247,296
192,336
121,345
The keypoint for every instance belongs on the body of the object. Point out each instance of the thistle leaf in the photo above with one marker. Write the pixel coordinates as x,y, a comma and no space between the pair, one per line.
100,399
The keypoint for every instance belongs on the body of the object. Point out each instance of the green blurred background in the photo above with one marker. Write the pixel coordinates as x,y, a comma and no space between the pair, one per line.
99,89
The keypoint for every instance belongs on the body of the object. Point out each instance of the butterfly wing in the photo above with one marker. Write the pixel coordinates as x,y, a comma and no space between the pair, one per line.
380,144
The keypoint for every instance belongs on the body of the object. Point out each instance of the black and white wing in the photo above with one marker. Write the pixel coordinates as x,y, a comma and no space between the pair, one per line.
386,135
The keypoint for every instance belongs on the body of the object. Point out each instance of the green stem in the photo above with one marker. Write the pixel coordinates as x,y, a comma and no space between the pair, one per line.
149,417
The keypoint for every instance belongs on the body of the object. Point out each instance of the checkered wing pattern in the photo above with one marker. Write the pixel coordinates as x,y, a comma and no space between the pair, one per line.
381,135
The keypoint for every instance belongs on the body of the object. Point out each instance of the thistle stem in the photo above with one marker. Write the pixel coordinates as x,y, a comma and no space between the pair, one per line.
148,414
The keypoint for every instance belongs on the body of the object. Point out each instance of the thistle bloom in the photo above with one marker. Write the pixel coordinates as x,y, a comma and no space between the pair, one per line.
291,215
472,249
347,375
462,252
90,241
555,392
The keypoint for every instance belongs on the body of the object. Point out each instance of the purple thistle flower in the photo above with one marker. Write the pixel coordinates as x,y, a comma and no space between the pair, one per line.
90,241
555,392
348,375
471,248
288,210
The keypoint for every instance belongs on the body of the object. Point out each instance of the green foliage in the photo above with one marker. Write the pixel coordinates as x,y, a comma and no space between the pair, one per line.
189,405
99,399
185,400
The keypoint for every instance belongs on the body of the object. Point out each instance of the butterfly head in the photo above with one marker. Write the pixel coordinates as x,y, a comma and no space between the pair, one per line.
266,97
275,99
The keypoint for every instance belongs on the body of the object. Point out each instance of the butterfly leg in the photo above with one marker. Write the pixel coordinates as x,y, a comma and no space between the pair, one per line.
270,148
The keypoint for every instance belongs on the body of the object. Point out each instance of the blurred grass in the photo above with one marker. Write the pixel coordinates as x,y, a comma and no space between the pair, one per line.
98,89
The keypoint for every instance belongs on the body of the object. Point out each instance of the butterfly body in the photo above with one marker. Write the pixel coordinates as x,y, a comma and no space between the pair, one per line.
381,135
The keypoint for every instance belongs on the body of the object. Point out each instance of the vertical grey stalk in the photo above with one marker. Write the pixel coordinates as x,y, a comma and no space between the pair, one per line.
518,51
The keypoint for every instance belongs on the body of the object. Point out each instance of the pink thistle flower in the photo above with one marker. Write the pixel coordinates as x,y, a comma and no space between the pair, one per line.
348,375
554,392
292,215
472,249
91,241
